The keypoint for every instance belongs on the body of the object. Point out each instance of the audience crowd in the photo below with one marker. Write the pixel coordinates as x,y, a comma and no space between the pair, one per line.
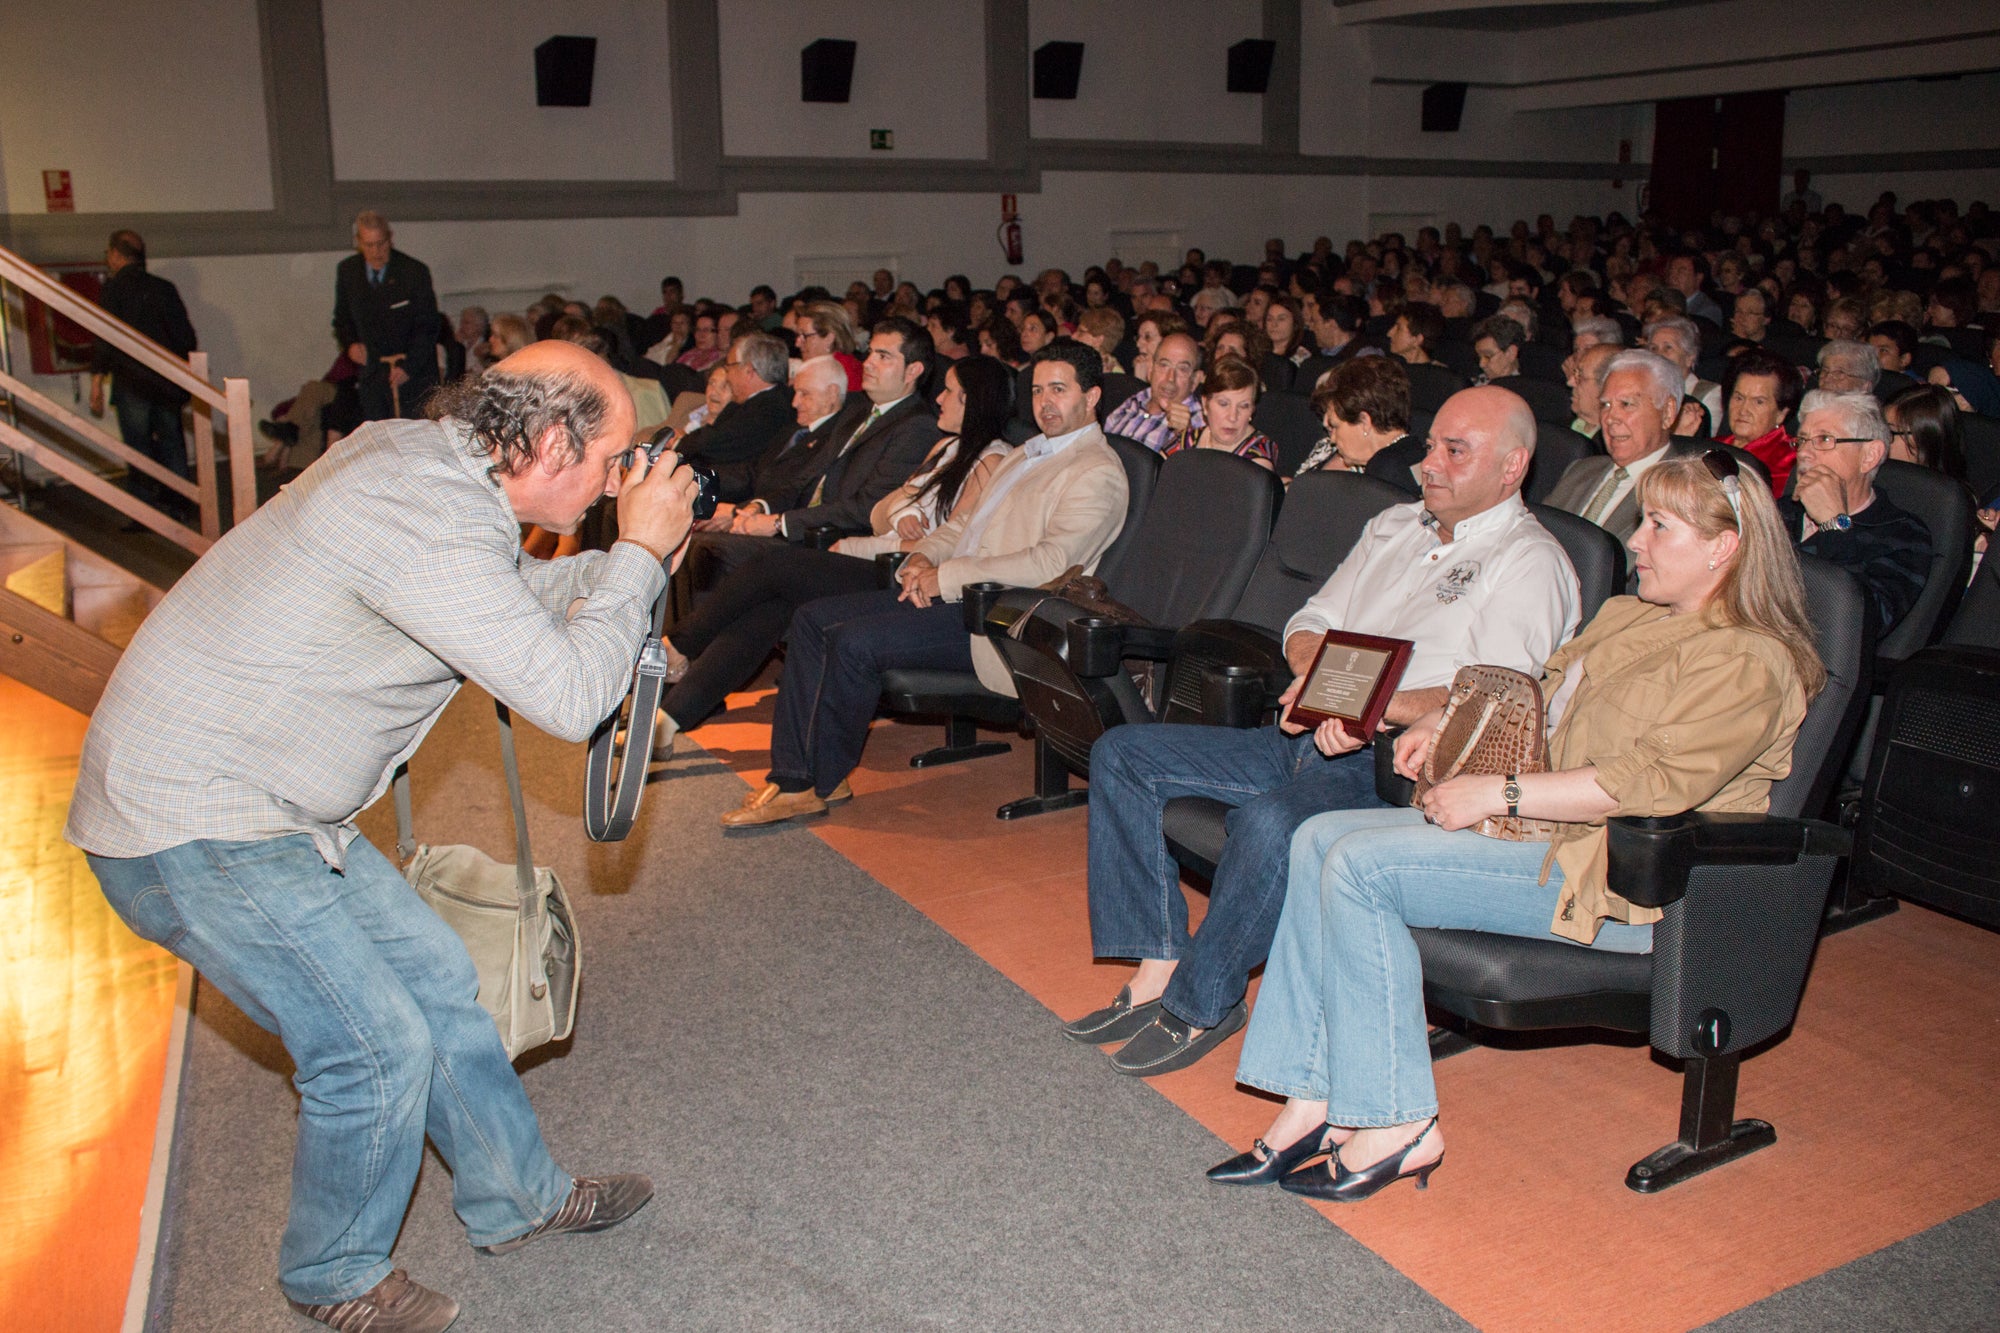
1718,398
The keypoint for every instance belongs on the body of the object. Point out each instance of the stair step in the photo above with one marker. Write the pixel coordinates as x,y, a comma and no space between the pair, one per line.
44,580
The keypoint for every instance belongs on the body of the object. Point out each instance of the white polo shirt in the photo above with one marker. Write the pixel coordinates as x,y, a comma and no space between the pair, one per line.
1500,593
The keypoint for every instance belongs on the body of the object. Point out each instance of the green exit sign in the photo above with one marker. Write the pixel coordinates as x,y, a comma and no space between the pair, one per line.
882,141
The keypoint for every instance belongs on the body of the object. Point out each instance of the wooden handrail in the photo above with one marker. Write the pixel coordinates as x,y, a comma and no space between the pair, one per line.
119,334
90,434
89,482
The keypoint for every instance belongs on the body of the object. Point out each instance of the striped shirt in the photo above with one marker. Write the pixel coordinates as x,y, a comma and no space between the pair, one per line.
307,654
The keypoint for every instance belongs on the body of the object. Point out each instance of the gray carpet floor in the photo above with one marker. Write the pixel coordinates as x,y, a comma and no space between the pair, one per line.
1944,1280
853,1122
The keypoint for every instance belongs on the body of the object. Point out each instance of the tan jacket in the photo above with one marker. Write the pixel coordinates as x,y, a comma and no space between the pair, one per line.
1676,713
1064,512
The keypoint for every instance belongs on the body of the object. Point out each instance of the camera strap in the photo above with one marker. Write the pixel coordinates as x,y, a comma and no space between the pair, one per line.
608,812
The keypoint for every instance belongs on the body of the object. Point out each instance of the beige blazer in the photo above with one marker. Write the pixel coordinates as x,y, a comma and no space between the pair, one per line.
1676,713
1065,512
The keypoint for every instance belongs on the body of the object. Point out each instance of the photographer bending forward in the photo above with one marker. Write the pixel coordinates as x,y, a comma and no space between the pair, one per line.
265,703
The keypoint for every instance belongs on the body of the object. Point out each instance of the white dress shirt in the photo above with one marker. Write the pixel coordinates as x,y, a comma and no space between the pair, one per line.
1500,593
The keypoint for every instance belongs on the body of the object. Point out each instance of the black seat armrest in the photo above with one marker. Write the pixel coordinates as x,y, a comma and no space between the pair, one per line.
977,602
1099,645
1651,857
1390,785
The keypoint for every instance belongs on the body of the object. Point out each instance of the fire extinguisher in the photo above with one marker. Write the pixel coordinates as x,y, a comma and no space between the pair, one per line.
1009,233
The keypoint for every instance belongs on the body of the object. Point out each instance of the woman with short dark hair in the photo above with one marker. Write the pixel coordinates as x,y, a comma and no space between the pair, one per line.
1760,395
1228,403
1365,405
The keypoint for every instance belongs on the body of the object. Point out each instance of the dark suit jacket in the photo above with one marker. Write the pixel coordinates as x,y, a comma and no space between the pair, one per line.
1394,465
1582,478
152,306
741,434
785,475
863,467
399,316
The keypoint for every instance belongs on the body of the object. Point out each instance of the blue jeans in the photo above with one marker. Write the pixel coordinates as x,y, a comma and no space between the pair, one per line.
154,429
374,998
1274,782
1340,1017
836,651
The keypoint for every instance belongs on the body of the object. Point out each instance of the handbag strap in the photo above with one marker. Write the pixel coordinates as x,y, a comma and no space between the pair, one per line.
524,852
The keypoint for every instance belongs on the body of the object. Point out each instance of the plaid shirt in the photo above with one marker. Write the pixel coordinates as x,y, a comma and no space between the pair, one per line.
1130,419
308,653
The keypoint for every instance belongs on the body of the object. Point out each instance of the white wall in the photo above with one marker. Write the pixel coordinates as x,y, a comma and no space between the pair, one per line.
1153,70
1896,116
919,71
445,90
142,118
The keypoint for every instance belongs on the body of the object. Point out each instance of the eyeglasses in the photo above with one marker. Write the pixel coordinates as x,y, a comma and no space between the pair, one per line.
1825,441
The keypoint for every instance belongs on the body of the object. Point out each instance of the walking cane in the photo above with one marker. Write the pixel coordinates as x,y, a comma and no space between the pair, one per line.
395,393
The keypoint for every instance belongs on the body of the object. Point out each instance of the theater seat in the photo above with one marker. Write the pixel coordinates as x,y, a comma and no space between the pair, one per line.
1287,417
959,696
1196,547
1556,447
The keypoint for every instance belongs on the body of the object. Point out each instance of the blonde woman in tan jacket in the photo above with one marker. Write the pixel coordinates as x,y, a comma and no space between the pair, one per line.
1686,697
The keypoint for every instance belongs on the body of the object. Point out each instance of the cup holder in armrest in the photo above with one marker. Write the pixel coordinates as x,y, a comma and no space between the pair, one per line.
1096,645
977,600
1233,696
887,566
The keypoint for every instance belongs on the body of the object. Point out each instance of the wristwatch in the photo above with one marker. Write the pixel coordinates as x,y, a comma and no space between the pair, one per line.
1512,792
1841,522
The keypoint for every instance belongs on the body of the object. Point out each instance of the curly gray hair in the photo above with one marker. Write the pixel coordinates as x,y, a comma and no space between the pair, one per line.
509,414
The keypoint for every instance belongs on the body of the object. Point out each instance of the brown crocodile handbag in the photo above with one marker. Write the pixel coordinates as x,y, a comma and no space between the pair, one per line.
1492,725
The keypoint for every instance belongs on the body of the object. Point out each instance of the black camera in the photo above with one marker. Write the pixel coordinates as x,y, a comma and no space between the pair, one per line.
704,475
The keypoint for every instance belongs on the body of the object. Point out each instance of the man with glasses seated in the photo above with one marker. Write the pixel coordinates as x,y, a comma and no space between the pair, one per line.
1835,512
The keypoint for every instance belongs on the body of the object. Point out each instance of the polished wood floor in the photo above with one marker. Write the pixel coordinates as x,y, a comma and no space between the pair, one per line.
85,1014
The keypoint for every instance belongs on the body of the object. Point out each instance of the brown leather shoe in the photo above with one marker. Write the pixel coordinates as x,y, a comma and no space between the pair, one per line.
595,1203
393,1305
841,793
768,805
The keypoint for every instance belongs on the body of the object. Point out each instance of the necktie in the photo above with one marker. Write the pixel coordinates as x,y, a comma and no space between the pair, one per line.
374,277
1601,500
819,491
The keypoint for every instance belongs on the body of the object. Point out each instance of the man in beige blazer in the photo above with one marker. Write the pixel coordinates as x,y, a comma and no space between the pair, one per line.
1057,501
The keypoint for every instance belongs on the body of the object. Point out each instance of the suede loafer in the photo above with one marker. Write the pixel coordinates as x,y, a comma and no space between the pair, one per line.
1167,1043
1118,1021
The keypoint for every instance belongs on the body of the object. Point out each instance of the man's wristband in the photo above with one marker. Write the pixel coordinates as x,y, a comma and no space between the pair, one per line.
661,556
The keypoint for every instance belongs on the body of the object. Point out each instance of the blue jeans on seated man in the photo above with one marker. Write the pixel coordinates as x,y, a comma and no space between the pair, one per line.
1340,1017
836,651
374,997
1137,909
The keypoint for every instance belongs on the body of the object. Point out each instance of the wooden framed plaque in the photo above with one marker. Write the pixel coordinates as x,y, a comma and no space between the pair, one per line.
1351,679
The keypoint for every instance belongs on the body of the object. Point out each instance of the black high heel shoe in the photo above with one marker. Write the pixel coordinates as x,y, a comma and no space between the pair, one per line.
1343,1186
1247,1168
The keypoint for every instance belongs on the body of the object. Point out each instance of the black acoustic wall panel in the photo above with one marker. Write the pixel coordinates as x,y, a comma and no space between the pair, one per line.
826,70
1250,65
1058,67
563,70
1444,104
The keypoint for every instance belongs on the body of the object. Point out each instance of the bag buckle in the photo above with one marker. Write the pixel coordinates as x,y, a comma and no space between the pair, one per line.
652,659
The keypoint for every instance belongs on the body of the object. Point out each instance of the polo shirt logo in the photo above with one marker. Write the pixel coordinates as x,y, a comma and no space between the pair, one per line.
1457,581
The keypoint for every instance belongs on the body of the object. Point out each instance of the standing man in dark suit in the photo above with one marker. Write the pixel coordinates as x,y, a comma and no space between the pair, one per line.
149,405
385,314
